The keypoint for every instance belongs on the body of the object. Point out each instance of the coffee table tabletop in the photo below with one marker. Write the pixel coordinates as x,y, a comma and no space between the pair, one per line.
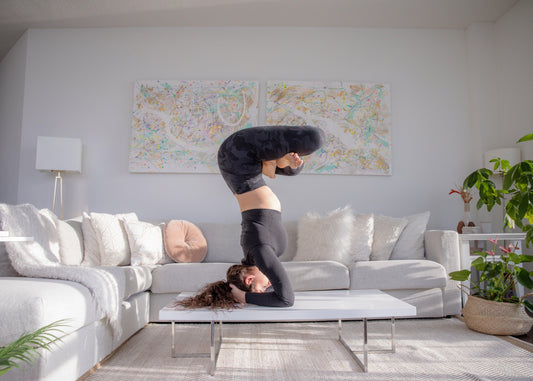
308,306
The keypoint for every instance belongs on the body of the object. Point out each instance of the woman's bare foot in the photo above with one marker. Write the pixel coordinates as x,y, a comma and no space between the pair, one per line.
291,159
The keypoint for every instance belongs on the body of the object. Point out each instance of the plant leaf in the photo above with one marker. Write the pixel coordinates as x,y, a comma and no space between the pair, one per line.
525,138
523,277
25,348
460,275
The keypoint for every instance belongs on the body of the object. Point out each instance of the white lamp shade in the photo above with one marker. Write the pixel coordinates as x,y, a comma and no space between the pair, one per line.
58,154
510,154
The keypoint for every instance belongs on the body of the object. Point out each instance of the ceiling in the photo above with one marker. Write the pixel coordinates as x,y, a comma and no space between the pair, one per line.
16,16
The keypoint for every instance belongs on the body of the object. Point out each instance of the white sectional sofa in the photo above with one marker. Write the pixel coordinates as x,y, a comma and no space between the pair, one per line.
415,271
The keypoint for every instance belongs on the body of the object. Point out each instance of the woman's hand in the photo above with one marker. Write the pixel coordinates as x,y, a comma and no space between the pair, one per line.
238,294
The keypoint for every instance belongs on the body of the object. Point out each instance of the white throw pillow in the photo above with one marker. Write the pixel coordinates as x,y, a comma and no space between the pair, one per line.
410,245
323,238
70,244
387,230
112,237
91,250
146,242
362,237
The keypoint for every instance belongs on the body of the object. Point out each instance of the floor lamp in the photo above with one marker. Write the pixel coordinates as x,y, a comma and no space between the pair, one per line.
58,155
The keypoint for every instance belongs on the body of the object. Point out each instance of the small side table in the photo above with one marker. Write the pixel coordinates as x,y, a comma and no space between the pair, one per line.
467,258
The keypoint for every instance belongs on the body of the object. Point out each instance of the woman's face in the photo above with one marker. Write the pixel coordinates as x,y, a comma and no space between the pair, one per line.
260,282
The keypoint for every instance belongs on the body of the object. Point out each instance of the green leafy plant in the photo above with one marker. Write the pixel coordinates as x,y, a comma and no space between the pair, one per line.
517,184
25,348
499,275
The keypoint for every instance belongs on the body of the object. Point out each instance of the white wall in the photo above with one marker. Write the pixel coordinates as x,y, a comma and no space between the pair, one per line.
12,79
514,59
79,83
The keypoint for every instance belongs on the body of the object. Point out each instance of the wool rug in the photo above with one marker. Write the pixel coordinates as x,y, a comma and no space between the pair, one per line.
426,349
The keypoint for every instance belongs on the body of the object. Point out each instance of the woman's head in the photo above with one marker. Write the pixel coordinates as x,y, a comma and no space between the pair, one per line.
218,294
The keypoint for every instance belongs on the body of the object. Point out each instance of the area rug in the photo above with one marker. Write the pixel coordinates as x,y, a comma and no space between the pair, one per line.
427,349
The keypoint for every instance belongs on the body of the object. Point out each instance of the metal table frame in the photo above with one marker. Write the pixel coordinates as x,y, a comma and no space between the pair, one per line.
215,347
309,306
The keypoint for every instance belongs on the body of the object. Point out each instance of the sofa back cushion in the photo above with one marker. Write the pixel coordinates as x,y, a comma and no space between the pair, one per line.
223,242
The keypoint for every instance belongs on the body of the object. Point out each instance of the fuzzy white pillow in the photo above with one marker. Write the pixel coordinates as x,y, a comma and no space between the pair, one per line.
112,237
91,251
362,237
146,242
387,230
323,238
410,245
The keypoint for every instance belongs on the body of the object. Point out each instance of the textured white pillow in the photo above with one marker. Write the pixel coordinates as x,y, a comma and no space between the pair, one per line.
146,242
410,245
112,237
362,237
91,250
387,230
323,238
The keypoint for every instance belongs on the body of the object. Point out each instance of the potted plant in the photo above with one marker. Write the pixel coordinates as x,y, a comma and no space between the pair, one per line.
517,186
493,306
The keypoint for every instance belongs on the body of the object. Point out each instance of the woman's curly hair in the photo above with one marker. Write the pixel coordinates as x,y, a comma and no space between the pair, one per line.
218,295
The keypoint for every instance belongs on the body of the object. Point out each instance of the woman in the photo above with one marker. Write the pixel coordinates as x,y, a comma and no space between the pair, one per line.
243,158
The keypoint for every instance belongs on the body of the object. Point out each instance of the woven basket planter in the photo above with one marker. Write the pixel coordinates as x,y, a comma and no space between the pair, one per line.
496,318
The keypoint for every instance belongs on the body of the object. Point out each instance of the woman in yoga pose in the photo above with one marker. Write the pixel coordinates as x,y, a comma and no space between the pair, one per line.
243,158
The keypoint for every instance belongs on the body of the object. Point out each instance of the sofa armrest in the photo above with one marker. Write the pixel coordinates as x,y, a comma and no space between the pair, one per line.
442,246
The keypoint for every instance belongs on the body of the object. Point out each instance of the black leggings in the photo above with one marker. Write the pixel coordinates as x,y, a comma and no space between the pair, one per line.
264,239
241,155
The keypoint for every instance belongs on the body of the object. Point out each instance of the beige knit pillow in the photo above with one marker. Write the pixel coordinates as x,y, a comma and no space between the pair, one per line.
184,242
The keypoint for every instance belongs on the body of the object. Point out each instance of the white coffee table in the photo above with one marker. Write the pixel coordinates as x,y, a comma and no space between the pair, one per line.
308,306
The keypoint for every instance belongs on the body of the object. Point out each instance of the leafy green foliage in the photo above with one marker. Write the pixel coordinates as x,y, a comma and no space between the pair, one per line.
517,183
25,348
499,276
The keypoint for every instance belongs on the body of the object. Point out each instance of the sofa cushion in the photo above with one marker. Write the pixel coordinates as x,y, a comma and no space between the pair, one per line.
387,230
70,242
179,277
91,251
322,238
362,237
223,242
146,242
112,238
401,274
130,279
410,245
31,303
184,241
27,220
318,275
